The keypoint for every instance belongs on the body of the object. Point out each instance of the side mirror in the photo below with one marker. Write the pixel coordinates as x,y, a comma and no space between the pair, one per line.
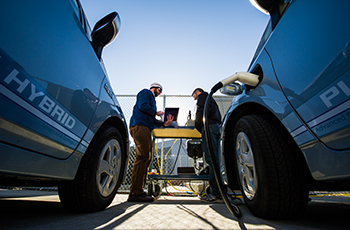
267,6
232,89
273,7
104,32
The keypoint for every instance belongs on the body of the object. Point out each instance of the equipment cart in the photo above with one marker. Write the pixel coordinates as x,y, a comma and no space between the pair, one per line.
194,151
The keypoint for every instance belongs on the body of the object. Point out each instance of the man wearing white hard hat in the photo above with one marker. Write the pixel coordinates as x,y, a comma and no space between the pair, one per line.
142,123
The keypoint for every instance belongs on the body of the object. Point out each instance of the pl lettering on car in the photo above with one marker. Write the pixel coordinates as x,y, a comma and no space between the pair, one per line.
333,92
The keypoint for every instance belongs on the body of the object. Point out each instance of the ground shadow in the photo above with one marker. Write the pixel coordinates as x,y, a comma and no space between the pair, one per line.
36,214
321,213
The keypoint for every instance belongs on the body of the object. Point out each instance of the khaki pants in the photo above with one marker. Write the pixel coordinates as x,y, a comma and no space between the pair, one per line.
143,156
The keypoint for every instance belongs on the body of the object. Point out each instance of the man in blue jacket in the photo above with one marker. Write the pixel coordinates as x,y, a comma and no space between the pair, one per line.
142,123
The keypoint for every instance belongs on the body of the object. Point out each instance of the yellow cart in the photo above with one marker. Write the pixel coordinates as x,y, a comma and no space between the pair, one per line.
173,133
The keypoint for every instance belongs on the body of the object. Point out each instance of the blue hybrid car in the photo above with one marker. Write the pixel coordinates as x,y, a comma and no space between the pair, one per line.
60,122
290,134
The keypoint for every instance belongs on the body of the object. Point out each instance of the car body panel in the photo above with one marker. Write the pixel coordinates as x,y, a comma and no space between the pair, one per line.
54,92
319,87
48,126
305,85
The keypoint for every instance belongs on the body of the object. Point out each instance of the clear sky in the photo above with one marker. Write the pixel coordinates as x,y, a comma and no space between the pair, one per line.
182,44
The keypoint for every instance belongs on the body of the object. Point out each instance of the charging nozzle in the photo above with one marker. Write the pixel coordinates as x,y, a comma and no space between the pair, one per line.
244,77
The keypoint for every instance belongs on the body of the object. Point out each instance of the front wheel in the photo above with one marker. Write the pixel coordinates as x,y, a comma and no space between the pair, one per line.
269,170
99,176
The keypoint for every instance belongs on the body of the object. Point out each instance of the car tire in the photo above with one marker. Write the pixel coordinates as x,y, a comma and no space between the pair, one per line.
271,176
99,175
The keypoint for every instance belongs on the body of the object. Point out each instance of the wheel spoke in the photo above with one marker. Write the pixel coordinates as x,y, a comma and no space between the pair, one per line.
109,167
245,162
103,167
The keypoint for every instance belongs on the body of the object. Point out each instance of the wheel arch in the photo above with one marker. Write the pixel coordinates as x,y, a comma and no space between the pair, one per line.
118,123
123,130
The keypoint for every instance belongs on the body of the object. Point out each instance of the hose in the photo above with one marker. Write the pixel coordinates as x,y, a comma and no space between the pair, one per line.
232,207
246,78
177,157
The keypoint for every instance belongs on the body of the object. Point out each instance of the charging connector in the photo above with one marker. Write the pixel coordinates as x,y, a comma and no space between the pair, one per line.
246,78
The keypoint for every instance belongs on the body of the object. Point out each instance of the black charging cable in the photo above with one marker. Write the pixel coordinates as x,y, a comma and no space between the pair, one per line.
232,207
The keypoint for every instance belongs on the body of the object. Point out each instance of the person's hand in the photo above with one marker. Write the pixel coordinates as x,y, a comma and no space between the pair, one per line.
170,119
159,113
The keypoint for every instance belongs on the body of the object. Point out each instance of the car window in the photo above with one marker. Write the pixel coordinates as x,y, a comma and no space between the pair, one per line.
86,27
75,7
80,14
274,19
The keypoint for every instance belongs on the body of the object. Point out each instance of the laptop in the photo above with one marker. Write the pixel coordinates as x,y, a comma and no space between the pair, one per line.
172,111
175,113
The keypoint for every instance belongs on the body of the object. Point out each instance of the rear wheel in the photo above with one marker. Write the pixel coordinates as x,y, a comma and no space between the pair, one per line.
99,176
270,174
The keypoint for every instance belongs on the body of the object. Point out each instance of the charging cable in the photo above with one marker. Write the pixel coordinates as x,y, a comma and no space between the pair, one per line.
244,77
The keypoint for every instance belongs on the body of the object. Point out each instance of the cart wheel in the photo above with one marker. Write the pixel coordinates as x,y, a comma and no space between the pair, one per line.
156,191
150,189
207,190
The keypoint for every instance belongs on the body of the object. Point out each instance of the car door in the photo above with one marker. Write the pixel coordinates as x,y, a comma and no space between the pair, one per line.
52,77
310,52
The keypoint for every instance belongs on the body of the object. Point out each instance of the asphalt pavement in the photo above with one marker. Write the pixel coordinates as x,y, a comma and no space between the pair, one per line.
26,209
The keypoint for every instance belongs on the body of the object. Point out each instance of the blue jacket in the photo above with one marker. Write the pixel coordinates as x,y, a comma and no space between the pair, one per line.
145,110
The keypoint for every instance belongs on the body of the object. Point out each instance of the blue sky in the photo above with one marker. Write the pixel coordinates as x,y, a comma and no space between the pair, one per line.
181,44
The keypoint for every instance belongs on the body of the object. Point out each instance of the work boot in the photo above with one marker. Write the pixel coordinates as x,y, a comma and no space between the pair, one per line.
212,199
140,198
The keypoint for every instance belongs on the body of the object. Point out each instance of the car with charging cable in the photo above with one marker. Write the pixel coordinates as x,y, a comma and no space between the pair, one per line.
60,122
290,134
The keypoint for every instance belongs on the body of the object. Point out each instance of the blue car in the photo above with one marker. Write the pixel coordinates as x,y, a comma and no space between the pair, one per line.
290,134
60,122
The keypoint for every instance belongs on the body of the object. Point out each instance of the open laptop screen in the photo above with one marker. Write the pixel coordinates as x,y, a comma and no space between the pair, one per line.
172,111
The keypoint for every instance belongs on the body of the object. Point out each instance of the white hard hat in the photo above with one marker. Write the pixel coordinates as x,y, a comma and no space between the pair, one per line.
156,85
